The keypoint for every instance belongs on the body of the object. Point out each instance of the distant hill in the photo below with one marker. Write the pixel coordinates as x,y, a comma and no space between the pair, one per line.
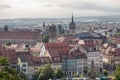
37,22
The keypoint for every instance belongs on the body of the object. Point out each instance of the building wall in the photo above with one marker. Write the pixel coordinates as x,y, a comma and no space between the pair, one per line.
71,66
43,51
31,71
97,57
23,66
27,41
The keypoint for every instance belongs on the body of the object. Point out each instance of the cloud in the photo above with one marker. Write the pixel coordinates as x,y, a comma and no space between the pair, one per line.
50,8
4,6
48,5
92,6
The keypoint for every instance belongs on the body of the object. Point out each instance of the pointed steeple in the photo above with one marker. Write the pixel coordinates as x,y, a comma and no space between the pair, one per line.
72,18
72,26
43,24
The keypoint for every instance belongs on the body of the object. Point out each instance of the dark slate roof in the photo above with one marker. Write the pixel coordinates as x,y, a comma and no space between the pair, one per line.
88,35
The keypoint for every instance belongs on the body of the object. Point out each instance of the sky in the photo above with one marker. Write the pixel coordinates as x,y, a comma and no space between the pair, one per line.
57,8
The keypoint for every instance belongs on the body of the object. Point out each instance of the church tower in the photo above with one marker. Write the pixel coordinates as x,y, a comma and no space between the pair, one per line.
72,26
6,28
44,26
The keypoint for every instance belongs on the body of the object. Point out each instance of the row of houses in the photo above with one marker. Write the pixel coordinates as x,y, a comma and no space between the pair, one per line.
72,59
72,54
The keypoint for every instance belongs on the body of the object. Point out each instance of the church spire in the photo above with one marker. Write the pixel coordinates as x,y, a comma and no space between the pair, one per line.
72,26
72,18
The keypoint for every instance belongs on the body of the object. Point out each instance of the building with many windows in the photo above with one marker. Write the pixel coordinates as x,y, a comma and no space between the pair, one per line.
55,51
74,62
93,54
18,37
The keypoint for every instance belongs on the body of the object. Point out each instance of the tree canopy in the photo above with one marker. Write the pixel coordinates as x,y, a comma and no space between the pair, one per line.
58,73
8,73
46,72
45,39
117,73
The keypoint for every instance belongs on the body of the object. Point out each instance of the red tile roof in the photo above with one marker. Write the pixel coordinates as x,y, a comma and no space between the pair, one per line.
77,54
56,49
40,60
68,39
19,35
9,54
88,45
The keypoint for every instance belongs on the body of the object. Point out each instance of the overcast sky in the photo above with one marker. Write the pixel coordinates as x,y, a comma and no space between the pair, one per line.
57,8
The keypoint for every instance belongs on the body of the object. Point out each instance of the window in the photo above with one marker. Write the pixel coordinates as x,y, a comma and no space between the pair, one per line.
24,65
24,70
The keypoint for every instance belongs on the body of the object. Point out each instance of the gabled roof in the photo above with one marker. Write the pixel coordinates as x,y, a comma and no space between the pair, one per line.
57,48
9,54
38,61
88,45
34,61
77,54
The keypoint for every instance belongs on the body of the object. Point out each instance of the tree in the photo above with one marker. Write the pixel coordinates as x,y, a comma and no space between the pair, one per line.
8,73
58,73
8,43
3,61
105,72
75,75
117,73
81,76
46,72
45,39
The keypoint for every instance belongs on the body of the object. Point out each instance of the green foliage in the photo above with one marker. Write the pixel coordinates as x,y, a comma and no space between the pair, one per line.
3,61
117,73
92,74
46,72
8,43
7,73
68,35
81,76
45,39
105,72
58,73
118,34
75,75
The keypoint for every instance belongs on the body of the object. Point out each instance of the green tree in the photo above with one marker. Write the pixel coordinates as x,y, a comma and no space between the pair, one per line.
81,76
58,73
45,39
8,43
46,72
105,72
75,75
7,73
117,73
3,61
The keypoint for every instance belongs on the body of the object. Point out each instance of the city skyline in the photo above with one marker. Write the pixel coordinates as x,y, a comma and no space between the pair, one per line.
57,8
